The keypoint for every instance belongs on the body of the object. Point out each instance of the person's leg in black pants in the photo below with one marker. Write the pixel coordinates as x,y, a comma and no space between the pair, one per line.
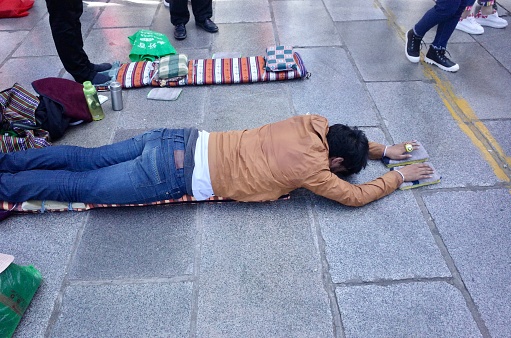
202,11
67,36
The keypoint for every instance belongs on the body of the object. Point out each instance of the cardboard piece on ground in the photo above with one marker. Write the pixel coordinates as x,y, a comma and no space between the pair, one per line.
165,94
5,261
418,156
435,178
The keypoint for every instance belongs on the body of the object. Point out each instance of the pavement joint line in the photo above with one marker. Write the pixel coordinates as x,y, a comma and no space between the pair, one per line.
391,282
194,311
57,303
457,280
474,128
463,114
123,281
329,286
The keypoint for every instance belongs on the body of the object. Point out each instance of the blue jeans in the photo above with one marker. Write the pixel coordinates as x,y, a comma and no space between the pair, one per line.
445,14
139,170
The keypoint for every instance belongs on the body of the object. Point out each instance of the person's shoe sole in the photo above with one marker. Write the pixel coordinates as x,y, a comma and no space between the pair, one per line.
491,24
468,30
452,69
414,59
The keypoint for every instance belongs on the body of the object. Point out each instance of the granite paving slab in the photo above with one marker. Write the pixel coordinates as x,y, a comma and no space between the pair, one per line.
109,45
260,273
39,41
242,11
413,110
290,17
45,241
245,106
135,242
429,309
140,112
495,41
489,98
385,240
127,14
11,43
353,11
378,51
131,309
500,130
40,67
479,246
334,89
36,13
240,38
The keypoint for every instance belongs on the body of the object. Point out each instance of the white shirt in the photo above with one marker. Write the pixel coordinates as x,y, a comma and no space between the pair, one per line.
201,181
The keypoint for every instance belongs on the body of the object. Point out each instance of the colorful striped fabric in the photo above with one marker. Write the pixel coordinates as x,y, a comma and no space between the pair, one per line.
232,71
17,105
135,74
51,206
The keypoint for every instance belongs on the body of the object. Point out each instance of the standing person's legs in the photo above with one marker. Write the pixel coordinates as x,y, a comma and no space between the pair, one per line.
179,17
444,10
486,14
447,26
179,14
202,9
67,35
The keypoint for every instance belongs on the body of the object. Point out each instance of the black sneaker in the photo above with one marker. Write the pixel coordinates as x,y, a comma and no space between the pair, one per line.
413,46
437,57
180,32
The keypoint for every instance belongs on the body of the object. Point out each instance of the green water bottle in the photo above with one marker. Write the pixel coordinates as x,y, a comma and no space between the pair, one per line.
91,96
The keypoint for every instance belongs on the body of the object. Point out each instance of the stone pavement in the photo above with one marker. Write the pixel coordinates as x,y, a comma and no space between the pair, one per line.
434,261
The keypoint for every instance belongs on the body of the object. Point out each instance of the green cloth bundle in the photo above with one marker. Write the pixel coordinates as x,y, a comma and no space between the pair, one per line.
149,45
18,285
173,66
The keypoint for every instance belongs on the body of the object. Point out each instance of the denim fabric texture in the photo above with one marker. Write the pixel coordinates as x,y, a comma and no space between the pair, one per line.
138,170
445,15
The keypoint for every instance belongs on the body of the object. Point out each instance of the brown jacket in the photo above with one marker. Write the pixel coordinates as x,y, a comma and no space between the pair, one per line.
265,163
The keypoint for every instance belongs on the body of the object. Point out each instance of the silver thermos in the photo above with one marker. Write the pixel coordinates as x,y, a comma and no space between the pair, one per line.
116,95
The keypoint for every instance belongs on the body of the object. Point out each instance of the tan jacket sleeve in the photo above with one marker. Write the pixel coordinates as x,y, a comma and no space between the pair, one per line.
375,150
330,186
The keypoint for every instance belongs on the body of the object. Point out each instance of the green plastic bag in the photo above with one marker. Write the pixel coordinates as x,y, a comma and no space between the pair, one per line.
18,285
149,45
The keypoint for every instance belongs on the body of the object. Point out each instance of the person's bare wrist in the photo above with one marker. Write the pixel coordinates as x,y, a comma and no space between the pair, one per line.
400,173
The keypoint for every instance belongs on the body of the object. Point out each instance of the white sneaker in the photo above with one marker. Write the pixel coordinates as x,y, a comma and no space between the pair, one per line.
166,3
470,26
492,20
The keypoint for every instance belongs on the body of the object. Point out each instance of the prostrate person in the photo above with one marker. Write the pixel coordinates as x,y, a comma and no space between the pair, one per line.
67,35
246,165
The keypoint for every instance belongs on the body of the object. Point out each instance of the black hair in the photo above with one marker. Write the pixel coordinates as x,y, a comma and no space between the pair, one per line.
349,143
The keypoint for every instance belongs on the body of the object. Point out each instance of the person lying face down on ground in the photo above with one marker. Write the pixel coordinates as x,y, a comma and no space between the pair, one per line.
245,165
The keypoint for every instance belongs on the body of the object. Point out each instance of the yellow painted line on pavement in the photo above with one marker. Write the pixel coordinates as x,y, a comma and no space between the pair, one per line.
463,114
468,122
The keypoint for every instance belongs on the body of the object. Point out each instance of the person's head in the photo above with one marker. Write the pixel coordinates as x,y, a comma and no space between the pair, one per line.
348,149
